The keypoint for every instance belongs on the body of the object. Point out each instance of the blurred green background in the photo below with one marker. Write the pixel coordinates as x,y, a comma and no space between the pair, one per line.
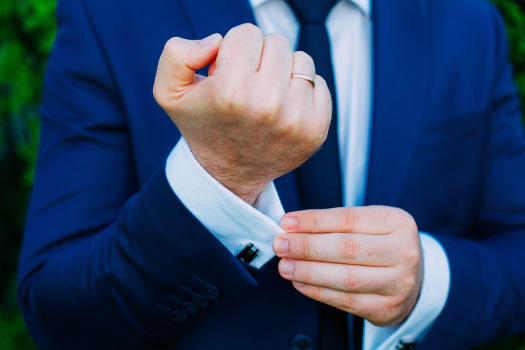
27,29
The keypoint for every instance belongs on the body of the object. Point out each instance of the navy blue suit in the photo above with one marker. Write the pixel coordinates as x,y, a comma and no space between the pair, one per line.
112,259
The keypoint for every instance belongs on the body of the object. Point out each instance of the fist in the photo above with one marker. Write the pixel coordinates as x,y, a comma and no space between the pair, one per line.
363,260
248,122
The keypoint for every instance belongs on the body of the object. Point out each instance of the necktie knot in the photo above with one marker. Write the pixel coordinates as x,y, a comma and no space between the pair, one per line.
311,11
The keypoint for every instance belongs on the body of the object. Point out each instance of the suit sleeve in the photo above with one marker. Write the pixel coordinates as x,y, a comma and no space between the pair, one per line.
107,263
487,292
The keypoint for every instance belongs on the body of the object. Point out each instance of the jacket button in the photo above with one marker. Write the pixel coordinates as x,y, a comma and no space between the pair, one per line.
179,316
211,292
303,341
189,308
199,300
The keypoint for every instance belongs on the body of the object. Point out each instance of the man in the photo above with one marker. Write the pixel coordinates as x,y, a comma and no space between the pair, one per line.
112,258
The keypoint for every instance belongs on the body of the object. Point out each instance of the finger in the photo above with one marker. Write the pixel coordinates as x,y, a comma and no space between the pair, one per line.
212,68
341,248
304,65
370,220
372,307
277,56
241,50
322,104
345,278
178,63
277,60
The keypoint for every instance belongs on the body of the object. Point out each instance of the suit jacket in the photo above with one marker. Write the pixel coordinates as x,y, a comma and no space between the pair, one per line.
112,259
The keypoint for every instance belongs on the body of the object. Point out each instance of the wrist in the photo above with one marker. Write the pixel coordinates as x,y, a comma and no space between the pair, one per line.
245,183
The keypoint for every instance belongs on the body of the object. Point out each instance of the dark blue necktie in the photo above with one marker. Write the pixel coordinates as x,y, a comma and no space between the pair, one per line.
319,178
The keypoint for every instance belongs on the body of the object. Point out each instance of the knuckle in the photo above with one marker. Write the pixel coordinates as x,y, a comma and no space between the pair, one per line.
293,115
305,60
403,218
287,126
409,283
350,220
171,43
412,255
158,94
324,92
173,47
305,248
316,136
351,281
393,312
371,313
379,318
278,40
314,219
247,29
317,293
265,111
393,303
232,99
349,301
320,82
382,312
308,274
300,55
162,96
350,248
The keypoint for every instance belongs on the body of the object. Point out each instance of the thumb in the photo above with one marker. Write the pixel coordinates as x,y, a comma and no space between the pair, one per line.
178,63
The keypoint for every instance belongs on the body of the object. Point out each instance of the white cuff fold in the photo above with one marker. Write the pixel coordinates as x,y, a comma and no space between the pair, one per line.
432,299
233,221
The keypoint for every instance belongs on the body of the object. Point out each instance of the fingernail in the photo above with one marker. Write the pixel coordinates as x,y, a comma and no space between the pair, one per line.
286,267
210,40
298,284
289,223
281,245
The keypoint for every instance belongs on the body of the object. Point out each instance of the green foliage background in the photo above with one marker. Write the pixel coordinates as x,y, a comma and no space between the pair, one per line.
27,28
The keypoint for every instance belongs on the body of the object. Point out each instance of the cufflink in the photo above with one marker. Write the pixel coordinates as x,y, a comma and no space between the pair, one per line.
249,253
406,344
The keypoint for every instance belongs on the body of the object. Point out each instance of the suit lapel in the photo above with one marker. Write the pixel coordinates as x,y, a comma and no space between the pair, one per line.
211,16
400,77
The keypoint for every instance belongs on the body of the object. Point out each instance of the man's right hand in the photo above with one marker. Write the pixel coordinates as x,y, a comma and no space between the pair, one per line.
248,122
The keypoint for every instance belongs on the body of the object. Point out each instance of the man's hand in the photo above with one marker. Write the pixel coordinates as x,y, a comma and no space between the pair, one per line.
249,122
363,260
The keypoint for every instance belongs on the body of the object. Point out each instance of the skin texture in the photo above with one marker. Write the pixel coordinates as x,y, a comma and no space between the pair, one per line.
248,123
363,260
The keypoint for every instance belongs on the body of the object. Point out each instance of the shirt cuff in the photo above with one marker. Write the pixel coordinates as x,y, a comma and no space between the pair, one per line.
432,299
234,222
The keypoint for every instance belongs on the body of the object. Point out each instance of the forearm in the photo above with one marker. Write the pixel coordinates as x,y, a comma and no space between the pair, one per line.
125,281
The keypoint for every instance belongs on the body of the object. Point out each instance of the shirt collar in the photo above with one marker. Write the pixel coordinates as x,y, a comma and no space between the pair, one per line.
363,5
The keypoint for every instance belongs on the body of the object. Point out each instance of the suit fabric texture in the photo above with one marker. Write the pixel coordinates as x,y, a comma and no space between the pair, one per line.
113,260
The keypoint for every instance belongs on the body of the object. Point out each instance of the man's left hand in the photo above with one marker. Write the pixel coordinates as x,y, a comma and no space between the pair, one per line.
362,260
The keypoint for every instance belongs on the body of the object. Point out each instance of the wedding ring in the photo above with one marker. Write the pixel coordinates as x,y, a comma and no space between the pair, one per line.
305,77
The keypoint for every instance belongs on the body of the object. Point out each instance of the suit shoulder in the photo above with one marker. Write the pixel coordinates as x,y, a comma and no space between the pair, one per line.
107,15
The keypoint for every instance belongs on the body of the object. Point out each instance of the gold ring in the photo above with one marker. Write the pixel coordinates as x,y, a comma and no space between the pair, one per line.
305,77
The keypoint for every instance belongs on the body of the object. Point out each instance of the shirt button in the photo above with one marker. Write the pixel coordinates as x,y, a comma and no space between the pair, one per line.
199,300
179,316
189,308
303,341
211,292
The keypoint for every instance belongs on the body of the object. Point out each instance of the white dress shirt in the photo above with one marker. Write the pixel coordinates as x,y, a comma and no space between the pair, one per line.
235,223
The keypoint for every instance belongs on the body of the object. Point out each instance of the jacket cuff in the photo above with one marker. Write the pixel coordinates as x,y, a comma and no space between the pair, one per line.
231,220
